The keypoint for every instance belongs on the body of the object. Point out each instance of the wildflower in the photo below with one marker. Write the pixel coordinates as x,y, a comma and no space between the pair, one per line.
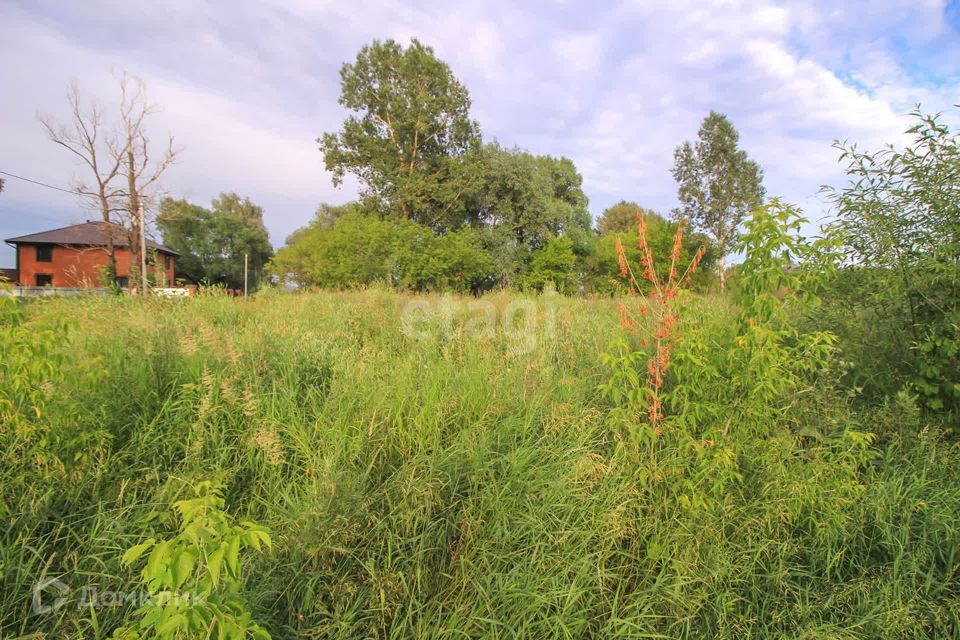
625,320
641,231
621,258
659,306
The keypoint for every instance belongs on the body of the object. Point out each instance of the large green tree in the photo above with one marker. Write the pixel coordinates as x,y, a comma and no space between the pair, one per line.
410,140
718,184
524,201
621,217
212,242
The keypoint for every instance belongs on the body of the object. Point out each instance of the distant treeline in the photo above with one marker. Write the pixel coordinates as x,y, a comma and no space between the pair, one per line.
344,246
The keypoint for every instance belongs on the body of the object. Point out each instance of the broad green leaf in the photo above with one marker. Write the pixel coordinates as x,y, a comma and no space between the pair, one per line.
134,552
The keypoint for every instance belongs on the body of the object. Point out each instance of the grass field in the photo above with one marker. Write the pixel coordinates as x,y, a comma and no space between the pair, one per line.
447,467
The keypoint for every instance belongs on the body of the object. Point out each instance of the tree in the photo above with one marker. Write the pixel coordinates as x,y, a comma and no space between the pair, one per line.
556,263
118,157
186,229
603,269
525,201
94,142
898,222
212,242
621,217
411,140
139,170
362,249
327,215
718,184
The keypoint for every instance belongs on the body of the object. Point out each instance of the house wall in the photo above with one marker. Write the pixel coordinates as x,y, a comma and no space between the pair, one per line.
80,266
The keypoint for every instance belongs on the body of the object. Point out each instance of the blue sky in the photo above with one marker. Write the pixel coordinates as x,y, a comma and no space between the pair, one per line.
247,87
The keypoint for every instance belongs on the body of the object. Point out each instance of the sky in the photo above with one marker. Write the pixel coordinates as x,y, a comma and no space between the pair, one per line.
246,88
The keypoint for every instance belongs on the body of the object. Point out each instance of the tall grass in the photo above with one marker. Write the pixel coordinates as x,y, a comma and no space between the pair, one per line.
452,485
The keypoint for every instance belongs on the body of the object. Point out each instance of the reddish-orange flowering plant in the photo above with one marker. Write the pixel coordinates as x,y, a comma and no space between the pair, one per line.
656,295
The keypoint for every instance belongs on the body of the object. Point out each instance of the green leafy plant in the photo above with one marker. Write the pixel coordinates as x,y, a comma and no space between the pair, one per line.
194,578
640,396
777,282
898,222
30,368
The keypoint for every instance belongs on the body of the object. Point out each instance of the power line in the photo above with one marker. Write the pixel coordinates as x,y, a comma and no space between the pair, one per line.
37,182
42,184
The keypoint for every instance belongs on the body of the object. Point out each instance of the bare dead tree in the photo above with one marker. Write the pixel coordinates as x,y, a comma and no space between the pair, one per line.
118,155
141,172
92,140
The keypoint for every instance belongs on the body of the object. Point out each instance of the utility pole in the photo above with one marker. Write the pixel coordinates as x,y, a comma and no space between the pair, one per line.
143,251
245,275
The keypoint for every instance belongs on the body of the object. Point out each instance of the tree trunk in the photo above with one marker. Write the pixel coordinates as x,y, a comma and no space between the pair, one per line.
133,210
722,269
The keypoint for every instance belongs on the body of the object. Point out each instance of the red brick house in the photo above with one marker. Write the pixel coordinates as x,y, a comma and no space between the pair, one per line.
76,256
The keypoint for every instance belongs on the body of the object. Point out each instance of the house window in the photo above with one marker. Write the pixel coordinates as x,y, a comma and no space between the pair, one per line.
123,282
44,253
166,262
44,280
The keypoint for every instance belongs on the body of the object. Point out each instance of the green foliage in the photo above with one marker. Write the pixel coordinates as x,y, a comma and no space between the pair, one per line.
31,367
419,157
411,141
622,218
555,264
454,261
449,486
718,184
898,221
325,218
524,201
519,205
194,577
602,270
212,242
776,284
361,250
535,198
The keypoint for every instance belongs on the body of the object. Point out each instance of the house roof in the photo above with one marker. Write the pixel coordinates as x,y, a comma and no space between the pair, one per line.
86,234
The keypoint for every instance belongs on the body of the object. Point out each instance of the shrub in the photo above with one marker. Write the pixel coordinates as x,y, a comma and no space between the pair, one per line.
193,578
899,225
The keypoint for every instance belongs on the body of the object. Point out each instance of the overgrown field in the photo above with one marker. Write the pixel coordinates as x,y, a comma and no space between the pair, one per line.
448,467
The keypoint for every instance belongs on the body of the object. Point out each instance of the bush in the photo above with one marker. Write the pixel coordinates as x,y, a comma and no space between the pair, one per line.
899,225
362,249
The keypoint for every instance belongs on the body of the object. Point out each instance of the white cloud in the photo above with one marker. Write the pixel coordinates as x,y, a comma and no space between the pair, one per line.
246,88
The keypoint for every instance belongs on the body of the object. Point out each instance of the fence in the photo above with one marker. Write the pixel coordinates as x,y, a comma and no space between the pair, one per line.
36,292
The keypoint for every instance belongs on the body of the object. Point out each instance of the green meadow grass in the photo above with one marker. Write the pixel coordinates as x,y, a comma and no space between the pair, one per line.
448,481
